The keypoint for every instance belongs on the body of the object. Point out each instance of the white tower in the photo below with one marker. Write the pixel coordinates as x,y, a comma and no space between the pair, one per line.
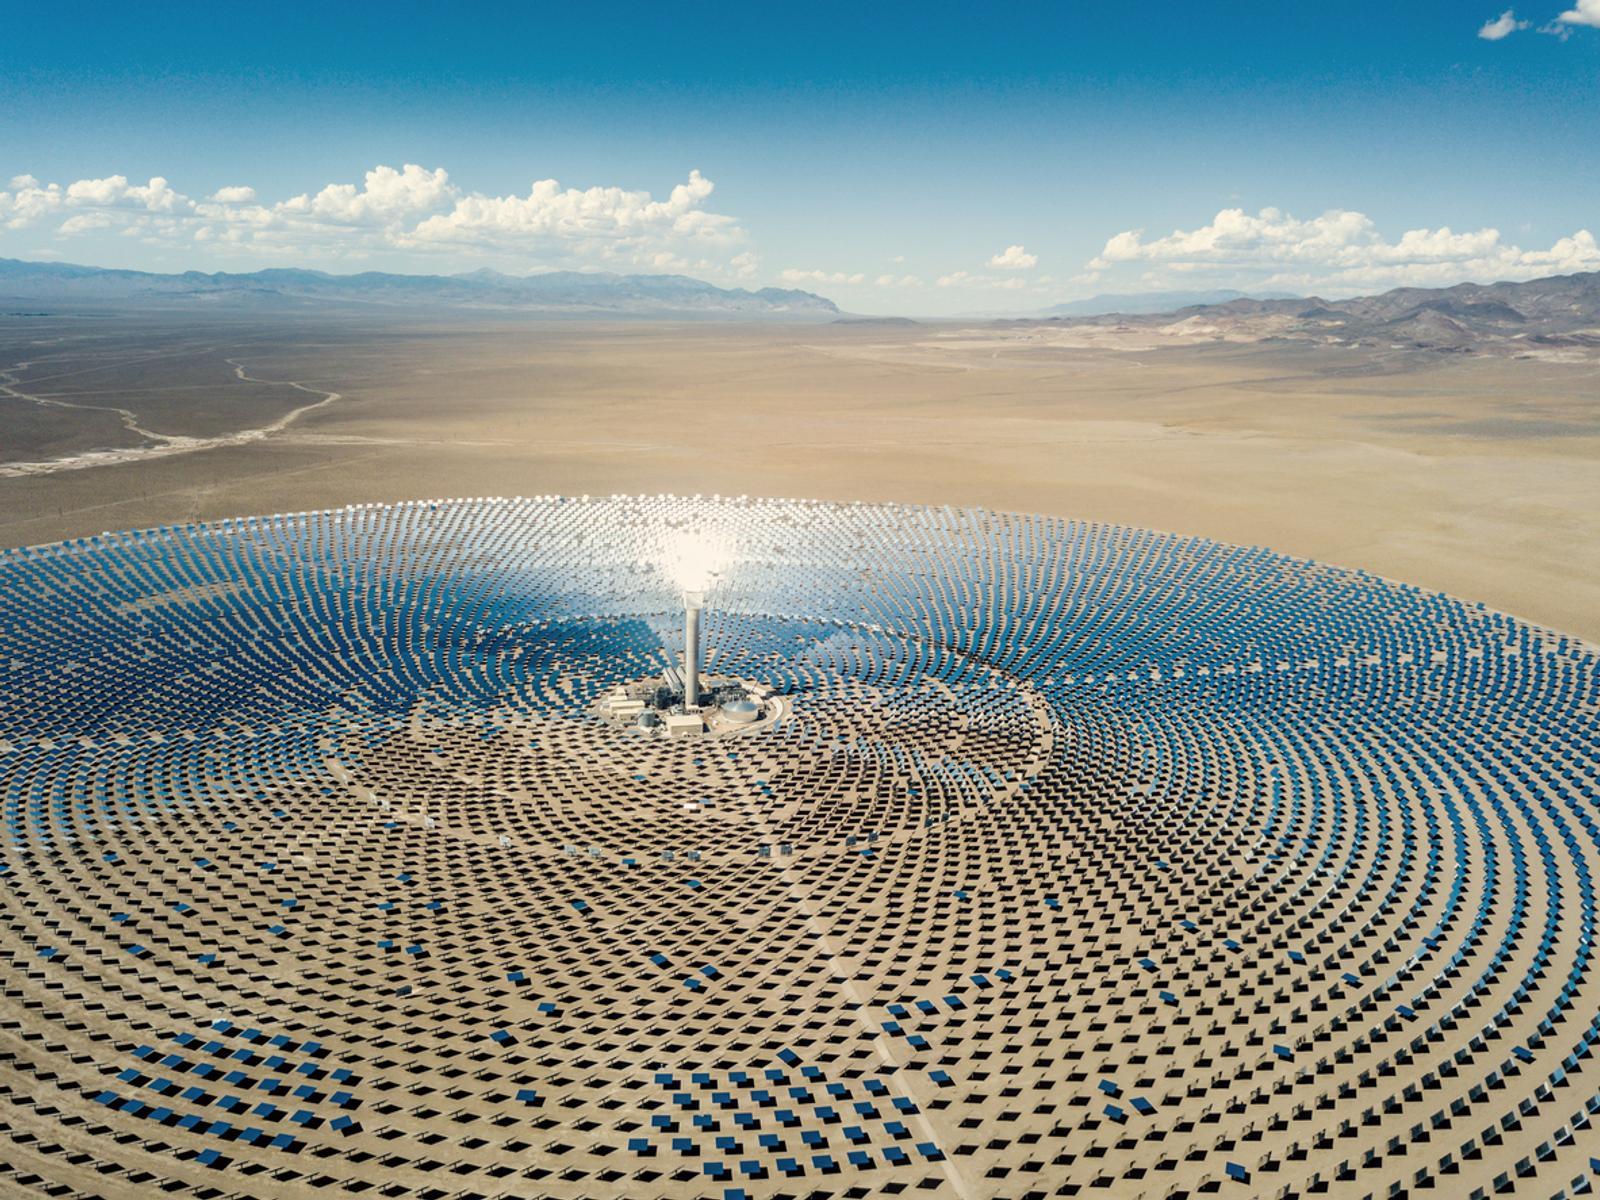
693,602
693,561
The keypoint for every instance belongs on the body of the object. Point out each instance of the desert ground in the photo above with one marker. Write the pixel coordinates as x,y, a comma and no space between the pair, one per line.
1471,475
1475,476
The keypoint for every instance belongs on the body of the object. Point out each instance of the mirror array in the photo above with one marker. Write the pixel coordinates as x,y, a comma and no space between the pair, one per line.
1083,860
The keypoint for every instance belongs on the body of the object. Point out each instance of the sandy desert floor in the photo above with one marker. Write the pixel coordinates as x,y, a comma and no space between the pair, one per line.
1475,476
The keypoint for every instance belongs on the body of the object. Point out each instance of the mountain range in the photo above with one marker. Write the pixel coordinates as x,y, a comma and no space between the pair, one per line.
1153,302
1554,316
1559,315
556,293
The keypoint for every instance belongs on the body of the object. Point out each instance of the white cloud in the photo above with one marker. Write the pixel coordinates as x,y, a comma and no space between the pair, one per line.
84,223
1502,26
1587,13
386,195
792,275
1342,250
28,201
411,209
116,191
1014,258
609,222
849,279
966,279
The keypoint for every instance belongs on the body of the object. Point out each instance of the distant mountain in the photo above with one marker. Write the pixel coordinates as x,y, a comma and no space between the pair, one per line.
1138,303
1566,302
557,293
1557,316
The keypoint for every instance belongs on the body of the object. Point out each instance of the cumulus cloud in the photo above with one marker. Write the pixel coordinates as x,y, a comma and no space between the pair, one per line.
385,195
966,279
1587,13
799,277
1012,261
412,208
84,223
1502,26
611,221
1342,250
793,275
115,191
1014,258
28,201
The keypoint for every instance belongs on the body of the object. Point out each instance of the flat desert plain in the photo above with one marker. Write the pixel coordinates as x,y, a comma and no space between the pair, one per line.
1478,476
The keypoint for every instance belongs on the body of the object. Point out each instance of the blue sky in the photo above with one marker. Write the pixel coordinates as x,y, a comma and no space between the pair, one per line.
928,159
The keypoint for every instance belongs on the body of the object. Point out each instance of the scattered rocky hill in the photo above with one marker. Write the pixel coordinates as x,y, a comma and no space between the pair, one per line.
1556,317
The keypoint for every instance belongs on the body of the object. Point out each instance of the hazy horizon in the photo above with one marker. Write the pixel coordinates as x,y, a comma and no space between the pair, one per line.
1139,301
